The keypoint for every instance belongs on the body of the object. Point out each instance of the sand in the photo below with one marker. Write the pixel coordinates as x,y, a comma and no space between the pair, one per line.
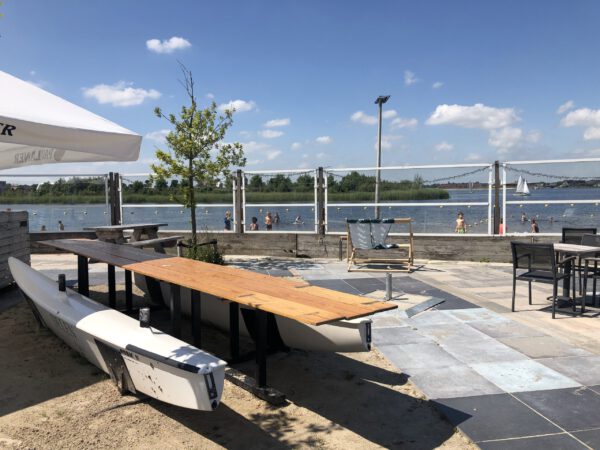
50,397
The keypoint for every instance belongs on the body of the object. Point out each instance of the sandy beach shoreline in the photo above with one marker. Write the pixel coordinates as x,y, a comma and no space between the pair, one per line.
50,397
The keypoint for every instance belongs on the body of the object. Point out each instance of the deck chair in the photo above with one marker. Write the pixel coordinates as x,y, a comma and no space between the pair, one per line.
370,235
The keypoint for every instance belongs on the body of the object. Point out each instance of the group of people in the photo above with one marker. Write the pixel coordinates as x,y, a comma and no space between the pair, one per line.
269,221
61,226
461,226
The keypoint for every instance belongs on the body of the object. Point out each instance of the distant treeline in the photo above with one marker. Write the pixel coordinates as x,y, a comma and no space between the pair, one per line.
353,187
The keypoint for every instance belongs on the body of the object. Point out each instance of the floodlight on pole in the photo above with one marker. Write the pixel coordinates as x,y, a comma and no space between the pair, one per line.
380,101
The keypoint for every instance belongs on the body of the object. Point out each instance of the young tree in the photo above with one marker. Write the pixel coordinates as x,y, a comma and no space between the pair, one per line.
197,155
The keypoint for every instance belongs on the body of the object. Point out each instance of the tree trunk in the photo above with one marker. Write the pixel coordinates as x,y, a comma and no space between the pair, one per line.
192,204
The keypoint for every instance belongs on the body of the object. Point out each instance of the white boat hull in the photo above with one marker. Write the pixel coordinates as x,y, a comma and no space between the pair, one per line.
138,359
341,336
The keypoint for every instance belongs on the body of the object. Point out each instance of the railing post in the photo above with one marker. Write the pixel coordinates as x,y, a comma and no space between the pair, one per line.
114,198
321,201
239,207
497,197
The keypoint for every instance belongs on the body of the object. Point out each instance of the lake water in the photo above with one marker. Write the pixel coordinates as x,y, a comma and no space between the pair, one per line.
427,219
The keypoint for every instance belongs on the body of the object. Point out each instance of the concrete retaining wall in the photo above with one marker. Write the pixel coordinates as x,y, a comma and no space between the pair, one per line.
14,241
450,247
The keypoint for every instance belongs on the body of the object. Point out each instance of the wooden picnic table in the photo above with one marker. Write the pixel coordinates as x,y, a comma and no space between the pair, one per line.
115,233
292,299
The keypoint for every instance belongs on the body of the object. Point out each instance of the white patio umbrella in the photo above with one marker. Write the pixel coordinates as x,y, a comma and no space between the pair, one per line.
37,127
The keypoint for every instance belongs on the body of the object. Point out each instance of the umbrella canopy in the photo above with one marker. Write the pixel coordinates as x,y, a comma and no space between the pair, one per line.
37,127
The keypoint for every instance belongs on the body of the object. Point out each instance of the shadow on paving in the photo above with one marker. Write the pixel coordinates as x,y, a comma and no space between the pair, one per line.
352,394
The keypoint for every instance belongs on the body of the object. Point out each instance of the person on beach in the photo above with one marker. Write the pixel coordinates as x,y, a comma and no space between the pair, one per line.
501,229
276,218
298,221
523,217
269,221
254,224
461,227
227,220
61,226
534,226
43,228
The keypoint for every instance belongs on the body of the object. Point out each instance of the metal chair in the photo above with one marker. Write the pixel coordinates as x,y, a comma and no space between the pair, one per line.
574,236
590,265
540,265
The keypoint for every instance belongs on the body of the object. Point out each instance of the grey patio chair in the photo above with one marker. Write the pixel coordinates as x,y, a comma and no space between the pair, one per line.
371,234
591,265
537,263
574,236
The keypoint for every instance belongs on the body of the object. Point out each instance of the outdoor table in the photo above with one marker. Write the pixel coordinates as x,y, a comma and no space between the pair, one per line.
114,233
295,300
573,250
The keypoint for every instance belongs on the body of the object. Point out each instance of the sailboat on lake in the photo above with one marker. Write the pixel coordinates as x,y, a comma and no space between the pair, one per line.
522,188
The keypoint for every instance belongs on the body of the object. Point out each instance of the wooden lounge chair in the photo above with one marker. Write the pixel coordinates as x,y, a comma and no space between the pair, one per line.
369,236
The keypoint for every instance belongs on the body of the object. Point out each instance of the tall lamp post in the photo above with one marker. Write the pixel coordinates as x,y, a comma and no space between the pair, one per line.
380,101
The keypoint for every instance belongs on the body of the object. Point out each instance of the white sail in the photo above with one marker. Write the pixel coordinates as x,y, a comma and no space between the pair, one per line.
522,188
525,190
520,185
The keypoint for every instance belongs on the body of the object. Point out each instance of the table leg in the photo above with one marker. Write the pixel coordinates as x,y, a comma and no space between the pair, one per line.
196,318
128,292
234,331
112,288
154,291
175,307
567,280
261,348
83,280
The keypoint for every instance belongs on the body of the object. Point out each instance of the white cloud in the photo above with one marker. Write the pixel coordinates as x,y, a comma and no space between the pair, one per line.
473,157
238,105
277,123
296,145
321,155
476,116
387,141
272,154
444,147
584,117
410,78
168,45
505,138
567,106
587,153
534,136
324,140
591,133
389,114
158,136
400,122
363,118
437,85
120,94
270,134
210,96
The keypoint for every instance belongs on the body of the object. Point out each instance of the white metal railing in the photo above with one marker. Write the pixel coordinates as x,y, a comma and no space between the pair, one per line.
312,204
546,202
418,204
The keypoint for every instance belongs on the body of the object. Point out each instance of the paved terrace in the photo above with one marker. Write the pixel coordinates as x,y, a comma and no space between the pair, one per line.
507,380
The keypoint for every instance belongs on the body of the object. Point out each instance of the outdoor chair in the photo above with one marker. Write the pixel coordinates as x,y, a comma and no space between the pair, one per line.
590,265
538,263
368,235
574,236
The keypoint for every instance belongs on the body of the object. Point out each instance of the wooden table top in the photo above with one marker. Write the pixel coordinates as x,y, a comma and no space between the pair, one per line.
130,226
293,299
574,249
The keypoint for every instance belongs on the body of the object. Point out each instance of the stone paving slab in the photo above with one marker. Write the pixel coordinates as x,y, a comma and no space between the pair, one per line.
523,375
562,441
400,335
480,351
418,357
543,347
505,329
452,382
583,369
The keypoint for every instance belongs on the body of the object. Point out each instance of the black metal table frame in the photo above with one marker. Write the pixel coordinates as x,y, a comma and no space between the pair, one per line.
175,310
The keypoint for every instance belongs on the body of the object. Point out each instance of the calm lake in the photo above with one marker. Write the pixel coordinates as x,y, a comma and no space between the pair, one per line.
427,219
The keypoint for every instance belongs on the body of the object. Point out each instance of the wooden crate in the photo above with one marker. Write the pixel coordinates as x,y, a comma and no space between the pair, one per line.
14,241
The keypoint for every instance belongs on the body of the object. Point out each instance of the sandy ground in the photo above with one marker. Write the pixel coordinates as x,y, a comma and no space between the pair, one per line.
50,397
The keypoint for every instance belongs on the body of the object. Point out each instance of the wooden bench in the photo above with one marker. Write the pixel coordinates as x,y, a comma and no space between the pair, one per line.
158,244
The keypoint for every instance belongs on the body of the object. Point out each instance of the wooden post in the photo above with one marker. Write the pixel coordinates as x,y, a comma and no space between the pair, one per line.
114,198
320,201
497,183
239,207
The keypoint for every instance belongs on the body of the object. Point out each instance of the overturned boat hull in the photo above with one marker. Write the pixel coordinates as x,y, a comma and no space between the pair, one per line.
340,336
137,359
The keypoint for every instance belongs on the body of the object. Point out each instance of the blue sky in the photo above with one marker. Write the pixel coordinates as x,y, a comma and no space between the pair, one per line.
470,81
